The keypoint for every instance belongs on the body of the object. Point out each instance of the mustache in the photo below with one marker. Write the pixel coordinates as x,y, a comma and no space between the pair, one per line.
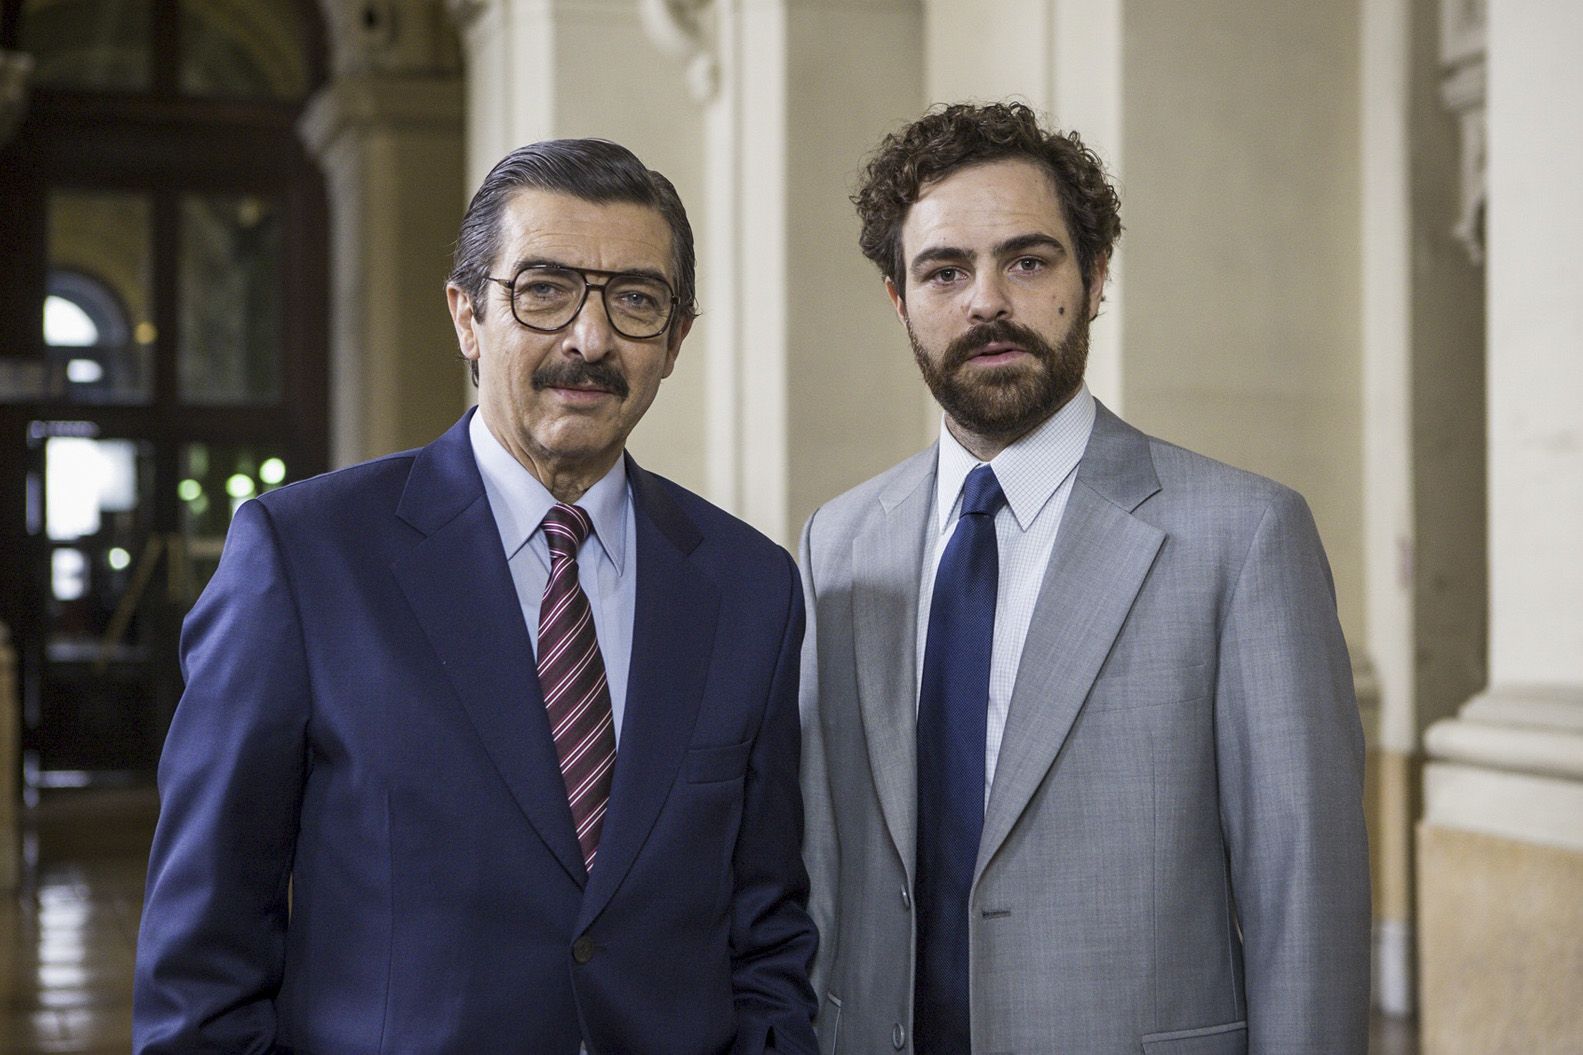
966,346
579,373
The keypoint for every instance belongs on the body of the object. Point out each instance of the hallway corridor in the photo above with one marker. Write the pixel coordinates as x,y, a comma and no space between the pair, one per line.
67,937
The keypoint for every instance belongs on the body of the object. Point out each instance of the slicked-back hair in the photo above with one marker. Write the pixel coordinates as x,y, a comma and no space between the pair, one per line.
595,170
956,137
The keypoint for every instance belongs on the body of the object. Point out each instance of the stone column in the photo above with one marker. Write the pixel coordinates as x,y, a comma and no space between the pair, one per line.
1501,844
387,131
813,385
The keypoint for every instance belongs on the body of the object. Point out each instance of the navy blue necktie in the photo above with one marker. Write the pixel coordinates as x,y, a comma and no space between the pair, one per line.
953,704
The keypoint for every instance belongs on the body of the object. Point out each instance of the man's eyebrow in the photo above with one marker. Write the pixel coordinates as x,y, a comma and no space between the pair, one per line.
1024,242
950,254
936,255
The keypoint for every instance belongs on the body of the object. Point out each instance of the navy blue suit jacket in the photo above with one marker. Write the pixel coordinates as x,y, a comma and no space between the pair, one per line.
364,842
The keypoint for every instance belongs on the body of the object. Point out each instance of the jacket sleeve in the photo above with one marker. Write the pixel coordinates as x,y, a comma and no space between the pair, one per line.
1290,753
212,941
772,939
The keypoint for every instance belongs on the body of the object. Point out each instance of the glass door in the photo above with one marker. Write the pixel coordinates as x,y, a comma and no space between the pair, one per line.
163,317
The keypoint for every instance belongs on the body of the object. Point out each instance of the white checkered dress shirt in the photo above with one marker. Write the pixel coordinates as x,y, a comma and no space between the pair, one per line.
1036,473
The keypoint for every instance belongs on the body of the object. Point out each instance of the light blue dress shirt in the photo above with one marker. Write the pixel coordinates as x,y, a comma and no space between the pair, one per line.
606,562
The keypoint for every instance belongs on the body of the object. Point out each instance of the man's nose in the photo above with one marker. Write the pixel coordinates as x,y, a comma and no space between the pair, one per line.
988,299
590,334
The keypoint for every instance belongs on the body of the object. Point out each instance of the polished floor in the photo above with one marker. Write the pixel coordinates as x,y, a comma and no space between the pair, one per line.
67,937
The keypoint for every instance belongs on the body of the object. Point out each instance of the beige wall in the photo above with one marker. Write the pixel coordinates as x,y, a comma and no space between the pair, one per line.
1241,200
856,403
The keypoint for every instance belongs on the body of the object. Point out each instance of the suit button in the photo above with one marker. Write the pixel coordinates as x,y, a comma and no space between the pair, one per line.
898,1037
906,900
583,950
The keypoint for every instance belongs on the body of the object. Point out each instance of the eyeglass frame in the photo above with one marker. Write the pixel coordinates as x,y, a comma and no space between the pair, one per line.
510,286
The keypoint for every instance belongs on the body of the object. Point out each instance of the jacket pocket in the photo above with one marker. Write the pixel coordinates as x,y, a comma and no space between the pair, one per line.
828,1025
709,765
1230,1038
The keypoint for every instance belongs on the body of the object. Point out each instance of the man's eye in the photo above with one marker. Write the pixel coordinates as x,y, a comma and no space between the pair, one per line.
639,300
946,275
1028,265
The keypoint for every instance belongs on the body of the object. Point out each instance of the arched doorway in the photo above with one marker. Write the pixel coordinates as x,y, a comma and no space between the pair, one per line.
162,343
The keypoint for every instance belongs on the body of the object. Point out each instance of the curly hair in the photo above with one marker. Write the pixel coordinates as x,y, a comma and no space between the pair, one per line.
954,137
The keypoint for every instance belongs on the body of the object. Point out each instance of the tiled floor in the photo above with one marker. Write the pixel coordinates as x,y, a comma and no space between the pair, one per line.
66,939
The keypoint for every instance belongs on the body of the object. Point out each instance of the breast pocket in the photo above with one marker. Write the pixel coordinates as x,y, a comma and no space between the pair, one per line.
713,765
1151,686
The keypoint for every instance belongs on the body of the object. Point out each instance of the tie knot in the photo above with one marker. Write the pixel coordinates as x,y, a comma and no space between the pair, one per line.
565,527
982,493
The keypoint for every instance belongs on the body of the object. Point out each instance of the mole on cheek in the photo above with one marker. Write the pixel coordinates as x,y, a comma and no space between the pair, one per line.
1061,310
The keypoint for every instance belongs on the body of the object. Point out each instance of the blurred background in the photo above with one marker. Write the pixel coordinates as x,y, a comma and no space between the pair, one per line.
1352,262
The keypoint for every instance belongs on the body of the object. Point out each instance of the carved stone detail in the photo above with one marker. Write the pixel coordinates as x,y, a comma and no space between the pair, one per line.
391,36
1462,51
685,29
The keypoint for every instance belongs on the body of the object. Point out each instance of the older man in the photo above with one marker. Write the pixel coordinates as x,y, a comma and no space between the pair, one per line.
492,746
1083,766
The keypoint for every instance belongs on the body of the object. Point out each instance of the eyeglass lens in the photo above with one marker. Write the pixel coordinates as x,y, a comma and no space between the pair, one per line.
547,298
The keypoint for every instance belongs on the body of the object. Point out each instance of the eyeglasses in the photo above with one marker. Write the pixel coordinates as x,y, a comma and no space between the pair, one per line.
546,298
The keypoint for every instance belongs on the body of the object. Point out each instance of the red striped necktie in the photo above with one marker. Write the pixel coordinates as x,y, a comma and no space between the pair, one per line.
572,677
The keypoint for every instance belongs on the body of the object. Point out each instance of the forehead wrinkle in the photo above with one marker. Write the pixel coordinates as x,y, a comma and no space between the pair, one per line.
540,226
548,261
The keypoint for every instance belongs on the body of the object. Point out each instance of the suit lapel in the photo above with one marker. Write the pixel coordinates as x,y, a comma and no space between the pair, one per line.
461,592
673,636
887,562
1101,557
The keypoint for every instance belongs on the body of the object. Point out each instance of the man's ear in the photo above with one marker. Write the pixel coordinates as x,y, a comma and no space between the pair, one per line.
1096,285
897,301
461,306
673,343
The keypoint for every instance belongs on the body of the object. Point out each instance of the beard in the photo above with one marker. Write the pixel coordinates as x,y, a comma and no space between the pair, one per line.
1006,402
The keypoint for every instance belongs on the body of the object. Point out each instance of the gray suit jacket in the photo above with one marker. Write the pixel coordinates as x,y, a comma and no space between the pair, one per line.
1173,858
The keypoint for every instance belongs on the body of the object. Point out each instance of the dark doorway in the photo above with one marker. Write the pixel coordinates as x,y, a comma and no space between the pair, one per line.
162,344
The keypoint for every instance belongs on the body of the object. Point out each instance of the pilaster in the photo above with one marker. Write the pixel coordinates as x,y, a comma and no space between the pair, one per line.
1501,844
390,145
825,393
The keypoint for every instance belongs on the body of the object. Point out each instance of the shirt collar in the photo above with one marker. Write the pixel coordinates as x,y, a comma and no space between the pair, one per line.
519,500
1030,471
